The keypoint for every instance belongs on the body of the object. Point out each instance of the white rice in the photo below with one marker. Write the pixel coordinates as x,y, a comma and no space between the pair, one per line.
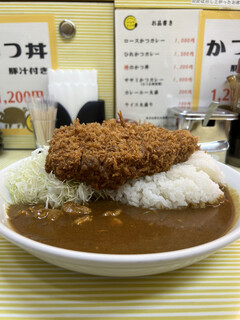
195,182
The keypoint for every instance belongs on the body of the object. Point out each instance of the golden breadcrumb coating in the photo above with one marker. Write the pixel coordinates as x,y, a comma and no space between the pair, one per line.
107,155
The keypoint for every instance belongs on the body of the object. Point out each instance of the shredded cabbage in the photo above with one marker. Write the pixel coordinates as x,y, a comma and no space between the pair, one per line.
30,183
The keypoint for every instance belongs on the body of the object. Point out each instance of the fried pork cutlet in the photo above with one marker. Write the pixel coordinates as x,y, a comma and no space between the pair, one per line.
107,156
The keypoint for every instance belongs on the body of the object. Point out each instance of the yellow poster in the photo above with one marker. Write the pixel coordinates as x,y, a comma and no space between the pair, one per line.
28,49
218,51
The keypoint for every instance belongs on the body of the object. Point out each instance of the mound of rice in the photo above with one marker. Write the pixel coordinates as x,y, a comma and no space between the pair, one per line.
195,182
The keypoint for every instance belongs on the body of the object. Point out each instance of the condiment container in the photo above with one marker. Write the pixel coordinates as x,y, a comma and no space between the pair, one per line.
217,128
233,153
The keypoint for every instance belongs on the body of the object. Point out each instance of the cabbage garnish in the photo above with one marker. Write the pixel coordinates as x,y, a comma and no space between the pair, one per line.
30,183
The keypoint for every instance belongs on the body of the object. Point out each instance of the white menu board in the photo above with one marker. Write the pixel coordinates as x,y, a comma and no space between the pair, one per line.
154,61
168,58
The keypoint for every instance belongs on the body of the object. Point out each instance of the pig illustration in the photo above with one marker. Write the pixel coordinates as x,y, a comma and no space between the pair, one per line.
13,115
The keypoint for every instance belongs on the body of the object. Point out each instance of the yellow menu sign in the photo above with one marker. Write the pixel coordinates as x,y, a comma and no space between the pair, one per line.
28,49
218,51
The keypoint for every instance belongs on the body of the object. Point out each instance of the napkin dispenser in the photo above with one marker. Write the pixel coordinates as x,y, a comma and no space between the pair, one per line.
217,127
76,95
92,111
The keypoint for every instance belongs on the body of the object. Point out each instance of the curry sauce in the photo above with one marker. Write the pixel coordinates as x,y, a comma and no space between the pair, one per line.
106,226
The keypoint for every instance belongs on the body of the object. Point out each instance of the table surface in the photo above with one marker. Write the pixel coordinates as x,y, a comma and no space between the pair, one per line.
33,289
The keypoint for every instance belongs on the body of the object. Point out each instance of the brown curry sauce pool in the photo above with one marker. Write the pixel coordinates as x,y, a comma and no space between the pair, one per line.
106,226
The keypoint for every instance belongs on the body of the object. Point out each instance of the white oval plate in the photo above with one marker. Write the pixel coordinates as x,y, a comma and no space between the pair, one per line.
116,264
